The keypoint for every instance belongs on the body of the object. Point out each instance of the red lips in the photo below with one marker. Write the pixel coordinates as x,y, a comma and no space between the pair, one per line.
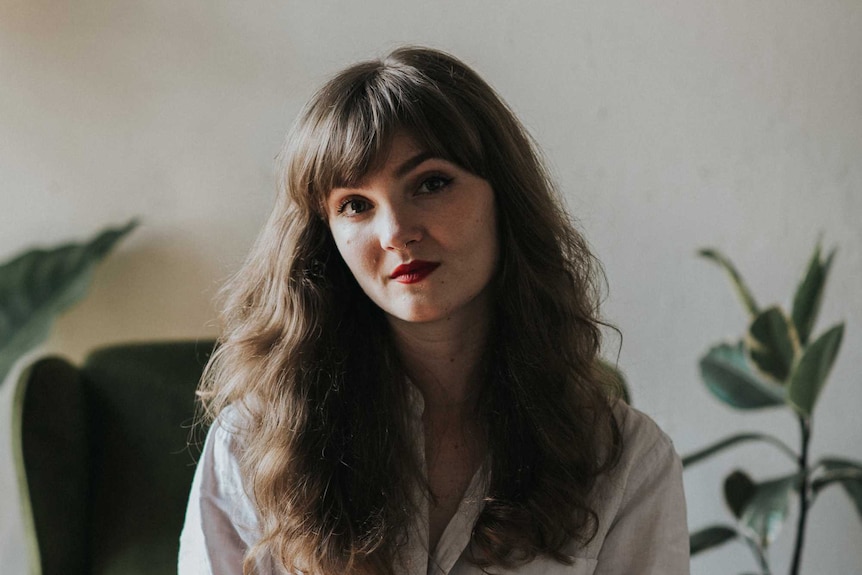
413,272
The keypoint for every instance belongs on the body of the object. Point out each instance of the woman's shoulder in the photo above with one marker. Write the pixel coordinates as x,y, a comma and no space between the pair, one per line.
231,420
221,519
221,478
647,458
223,448
640,502
643,441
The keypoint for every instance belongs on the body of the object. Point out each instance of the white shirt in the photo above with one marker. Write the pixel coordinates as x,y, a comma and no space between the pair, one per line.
640,506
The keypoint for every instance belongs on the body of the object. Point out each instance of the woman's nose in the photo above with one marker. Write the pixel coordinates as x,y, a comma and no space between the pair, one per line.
398,228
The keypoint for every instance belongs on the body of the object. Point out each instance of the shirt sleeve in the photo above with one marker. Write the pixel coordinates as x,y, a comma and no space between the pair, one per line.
649,534
220,523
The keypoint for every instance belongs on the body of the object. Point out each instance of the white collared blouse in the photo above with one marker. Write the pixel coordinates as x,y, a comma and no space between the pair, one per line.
640,507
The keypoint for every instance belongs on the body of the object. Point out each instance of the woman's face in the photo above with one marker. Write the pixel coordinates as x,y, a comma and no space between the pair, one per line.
419,236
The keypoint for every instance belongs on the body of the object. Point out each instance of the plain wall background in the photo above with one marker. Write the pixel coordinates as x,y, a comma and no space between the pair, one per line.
670,126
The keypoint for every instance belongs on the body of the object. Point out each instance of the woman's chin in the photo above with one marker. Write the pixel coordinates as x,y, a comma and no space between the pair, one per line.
416,316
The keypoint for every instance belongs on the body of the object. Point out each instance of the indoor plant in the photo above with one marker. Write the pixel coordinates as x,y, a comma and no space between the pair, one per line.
777,363
38,285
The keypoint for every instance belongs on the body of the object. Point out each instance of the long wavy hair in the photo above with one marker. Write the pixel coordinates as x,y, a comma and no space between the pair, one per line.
307,360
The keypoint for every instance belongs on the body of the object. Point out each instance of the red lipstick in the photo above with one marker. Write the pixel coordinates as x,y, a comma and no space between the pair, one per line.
413,272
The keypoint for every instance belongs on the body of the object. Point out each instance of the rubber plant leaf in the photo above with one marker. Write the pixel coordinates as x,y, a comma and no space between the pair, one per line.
38,285
810,373
710,537
809,294
729,442
772,344
765,512
726,373
613,378
846,473
739,489
738,284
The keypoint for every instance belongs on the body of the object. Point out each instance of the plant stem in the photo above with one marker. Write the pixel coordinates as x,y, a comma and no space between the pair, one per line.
760,556
805,425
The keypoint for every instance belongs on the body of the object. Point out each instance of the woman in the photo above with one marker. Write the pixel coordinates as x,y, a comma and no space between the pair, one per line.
407,381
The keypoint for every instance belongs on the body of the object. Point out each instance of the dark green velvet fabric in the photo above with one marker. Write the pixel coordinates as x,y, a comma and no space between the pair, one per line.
56,459
111,472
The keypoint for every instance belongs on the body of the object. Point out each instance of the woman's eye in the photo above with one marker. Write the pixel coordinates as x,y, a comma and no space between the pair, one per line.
434,184
352,206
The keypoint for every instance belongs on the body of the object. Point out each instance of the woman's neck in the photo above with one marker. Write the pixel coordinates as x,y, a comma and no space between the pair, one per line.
445,360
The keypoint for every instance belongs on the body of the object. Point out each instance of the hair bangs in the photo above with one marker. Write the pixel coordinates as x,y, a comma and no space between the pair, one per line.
347,130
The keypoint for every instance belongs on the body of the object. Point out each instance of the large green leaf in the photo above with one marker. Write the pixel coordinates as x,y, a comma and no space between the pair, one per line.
741,289
844,472
810,374
772,343
38,285
809,294
709,537
766,510
728,376
728,442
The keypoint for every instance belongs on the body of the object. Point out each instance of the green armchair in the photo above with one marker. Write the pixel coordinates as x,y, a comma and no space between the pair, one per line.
104,457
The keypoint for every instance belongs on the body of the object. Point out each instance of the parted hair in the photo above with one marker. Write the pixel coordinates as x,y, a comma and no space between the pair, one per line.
307,362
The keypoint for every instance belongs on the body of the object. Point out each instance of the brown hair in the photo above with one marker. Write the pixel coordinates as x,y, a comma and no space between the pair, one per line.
307,360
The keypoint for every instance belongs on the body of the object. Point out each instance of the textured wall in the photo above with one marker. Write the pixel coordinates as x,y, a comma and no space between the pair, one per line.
670,125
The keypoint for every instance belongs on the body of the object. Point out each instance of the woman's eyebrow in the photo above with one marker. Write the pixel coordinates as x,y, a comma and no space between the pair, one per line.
412,162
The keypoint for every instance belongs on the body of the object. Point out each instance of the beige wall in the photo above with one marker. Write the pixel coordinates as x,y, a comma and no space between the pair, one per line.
670,125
